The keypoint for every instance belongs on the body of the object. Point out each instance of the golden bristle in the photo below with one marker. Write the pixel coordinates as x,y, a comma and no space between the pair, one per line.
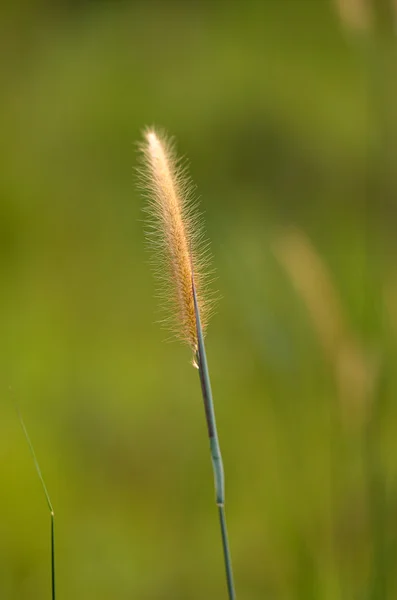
180,256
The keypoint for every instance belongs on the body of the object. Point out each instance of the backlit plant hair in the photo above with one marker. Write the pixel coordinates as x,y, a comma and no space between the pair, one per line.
182,263
175,233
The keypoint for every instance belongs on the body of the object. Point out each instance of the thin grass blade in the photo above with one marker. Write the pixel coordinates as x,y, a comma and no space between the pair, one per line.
47,496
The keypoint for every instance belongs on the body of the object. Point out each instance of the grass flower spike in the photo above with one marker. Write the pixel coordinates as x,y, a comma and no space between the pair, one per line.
181,257
182,260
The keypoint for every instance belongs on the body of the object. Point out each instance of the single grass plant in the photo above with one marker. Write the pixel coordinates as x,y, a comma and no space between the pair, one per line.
182,264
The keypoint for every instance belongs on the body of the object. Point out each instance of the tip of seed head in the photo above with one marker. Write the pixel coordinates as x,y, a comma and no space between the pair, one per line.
152,137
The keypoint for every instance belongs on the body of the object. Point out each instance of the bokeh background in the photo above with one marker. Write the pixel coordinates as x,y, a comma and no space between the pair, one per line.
286,110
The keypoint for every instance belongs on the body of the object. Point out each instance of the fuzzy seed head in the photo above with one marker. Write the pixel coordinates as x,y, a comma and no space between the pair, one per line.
175,234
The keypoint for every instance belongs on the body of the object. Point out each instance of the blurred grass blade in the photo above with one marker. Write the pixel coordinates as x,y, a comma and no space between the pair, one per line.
39,473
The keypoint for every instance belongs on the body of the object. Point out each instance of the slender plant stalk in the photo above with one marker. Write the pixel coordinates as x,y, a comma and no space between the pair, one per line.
377,48
381,74
216,456
38,471
182,265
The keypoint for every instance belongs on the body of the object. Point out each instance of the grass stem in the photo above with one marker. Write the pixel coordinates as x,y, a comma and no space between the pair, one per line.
219,478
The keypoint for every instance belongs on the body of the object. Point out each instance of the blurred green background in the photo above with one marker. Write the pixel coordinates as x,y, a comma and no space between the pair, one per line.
286,110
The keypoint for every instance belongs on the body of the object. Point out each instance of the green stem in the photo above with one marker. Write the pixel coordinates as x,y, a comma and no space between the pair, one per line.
38,470
381,78
226,552
52,556
216,456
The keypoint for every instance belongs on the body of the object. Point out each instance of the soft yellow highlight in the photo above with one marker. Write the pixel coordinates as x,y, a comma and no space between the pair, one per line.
355,14
175,232
355,369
